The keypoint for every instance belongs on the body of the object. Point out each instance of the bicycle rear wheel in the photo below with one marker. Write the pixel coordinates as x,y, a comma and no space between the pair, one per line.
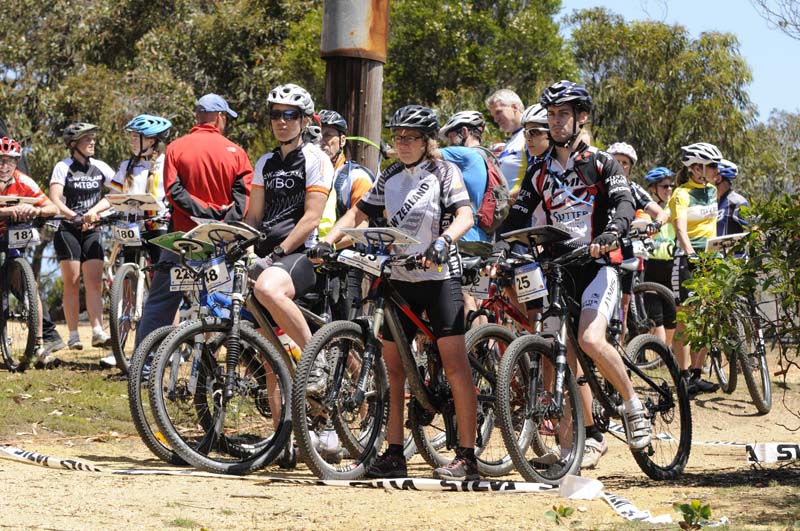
753,360
544,441
652,304
237,435
19,314
666,400
138,397
324,398
122,313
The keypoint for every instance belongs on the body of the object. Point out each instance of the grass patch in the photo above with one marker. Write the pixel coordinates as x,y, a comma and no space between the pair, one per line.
183,523
63,402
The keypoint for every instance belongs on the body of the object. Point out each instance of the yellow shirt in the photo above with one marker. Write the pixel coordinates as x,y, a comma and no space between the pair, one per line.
697,204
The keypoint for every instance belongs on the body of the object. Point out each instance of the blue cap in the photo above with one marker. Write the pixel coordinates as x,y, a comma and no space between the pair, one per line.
214,103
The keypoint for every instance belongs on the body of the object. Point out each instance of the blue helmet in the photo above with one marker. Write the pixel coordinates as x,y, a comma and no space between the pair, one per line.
728,170
150,126
658,173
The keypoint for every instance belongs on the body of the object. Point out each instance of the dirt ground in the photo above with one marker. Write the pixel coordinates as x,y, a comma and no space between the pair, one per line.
34,497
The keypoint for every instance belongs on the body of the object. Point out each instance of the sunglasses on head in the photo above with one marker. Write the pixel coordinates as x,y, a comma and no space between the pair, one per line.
288,115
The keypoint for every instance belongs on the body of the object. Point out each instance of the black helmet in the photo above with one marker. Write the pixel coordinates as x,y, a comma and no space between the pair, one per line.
333,119
415,117
76,131
565,92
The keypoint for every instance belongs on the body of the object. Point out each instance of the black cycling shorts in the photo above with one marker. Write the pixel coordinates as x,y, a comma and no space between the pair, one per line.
78,245
441,300
301,270
681,272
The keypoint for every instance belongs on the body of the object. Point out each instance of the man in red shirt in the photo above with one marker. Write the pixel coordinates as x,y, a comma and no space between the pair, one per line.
205,176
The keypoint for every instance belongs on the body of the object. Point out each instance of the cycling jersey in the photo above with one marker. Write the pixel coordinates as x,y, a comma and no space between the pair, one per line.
83,183
420,202
473,169
514,160
729,217
141,172
584,198
697,203
641,198
22,186
286,182
351,182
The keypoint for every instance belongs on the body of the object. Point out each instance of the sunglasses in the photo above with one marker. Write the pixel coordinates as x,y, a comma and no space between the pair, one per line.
405,139
288,115
666,186
533,132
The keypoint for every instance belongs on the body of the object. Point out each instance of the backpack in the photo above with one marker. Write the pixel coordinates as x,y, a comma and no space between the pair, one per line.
494,206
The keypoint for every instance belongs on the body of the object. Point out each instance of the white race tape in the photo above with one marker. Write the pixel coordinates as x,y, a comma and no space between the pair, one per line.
629,511
45,460
773,452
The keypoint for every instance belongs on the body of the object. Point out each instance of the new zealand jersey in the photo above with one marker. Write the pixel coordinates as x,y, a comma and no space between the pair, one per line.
83,184
421,203
286,182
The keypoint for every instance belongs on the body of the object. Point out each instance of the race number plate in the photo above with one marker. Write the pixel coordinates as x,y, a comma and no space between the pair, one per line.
366,262
479,290
21,236
217,276
128,234
529,282
181,279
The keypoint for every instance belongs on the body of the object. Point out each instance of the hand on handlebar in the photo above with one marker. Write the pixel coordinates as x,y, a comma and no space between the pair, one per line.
603,244
319,252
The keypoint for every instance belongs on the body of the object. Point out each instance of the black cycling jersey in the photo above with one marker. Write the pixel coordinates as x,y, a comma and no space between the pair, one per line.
285,182
586,198
83,183
641,198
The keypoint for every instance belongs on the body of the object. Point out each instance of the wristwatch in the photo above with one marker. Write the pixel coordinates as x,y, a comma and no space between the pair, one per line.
447,238
279,251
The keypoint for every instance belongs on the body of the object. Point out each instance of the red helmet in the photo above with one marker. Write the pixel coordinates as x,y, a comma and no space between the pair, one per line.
10,147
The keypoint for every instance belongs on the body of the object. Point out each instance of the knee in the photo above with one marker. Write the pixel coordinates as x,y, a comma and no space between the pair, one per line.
590,341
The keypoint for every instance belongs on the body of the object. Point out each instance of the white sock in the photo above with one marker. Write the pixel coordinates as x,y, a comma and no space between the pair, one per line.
565,452
73,336
97,330
633,403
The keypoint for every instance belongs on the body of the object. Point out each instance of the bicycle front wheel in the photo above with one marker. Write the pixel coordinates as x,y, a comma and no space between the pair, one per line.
545,441
123,313
138,397
724,360
19,315
664,395
237,434
753,360
338,431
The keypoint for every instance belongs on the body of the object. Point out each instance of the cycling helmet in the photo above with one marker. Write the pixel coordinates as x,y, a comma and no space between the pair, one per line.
700,153
658,173
150,126
535,114
76,131
622,148
728,170
567,92
333,119
10,147
415,117
468,119
313,134
291,94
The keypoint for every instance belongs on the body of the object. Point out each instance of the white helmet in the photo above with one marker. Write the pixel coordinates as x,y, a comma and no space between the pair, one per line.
700,153
622,148
291,94
535,114
469,119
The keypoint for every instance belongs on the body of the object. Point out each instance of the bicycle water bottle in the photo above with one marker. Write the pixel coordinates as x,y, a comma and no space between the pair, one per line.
290,346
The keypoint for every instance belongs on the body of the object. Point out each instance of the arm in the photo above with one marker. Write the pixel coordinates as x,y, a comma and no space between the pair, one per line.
315,202
656,212
352,218
57,197
620,197
461,223
255,208
240,192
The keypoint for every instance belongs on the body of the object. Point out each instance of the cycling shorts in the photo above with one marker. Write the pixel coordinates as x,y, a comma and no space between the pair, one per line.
660,272
441,300
78,245
681,272
301,270
599,288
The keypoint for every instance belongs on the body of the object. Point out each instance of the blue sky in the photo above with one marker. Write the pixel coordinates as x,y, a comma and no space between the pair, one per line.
771,55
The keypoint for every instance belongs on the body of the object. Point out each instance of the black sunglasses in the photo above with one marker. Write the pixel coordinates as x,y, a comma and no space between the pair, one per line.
288,115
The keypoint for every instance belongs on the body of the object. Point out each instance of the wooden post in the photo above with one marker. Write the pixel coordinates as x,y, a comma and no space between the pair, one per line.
354,41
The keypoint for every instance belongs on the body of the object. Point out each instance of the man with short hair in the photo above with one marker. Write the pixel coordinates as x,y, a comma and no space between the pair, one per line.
206,176
506,109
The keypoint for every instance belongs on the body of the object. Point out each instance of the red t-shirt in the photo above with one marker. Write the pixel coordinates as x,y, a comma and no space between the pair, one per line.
23,186
206,175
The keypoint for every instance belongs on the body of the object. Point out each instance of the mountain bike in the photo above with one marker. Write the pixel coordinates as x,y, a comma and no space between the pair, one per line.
745,351
354,398
19,294
537,396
